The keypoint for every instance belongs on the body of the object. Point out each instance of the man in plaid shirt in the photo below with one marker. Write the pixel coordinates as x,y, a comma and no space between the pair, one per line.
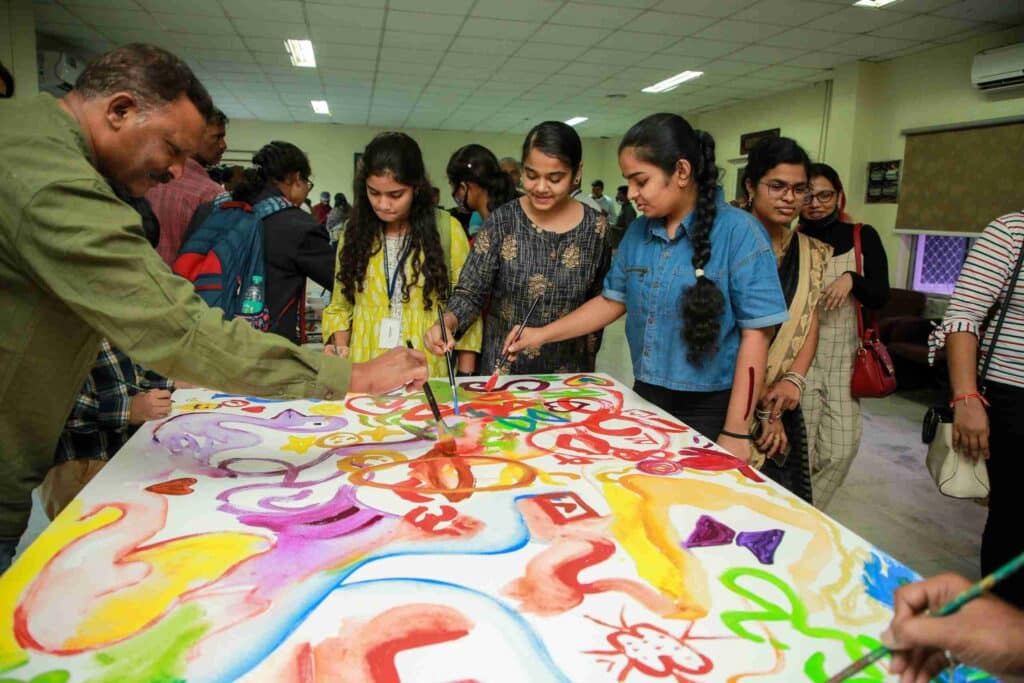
117,397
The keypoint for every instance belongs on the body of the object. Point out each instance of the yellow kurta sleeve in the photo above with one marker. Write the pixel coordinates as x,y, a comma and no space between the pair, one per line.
338,313
473,338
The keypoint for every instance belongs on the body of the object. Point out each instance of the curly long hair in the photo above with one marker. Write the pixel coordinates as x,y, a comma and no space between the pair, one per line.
396,155
662,140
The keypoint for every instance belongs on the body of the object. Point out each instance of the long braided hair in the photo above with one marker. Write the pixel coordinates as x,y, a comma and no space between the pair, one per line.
662,140
396,155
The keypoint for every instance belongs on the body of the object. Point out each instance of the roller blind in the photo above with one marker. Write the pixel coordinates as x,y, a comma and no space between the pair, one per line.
956,181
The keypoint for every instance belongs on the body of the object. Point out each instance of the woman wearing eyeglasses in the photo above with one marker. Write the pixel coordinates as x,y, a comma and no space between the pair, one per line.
831,412
777,184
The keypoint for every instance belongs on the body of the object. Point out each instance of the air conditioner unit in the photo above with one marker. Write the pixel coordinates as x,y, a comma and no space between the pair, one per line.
999,68
58,71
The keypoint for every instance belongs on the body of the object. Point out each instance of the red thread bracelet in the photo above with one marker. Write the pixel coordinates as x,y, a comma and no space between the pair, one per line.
964,397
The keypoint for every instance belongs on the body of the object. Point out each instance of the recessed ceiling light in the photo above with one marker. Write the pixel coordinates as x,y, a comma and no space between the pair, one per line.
300,52
673,82
576,120
873,3
320,107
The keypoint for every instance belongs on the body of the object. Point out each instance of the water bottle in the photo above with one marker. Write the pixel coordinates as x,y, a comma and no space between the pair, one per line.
252,300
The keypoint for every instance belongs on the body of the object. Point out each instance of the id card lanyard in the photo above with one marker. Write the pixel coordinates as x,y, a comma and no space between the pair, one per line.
389,335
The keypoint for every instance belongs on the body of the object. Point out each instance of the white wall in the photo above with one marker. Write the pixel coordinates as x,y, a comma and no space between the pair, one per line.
18,45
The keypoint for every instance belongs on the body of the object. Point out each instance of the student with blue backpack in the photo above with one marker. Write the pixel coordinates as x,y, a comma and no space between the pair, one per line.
259,231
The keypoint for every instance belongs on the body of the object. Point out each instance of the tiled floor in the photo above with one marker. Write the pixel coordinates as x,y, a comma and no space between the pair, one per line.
888,499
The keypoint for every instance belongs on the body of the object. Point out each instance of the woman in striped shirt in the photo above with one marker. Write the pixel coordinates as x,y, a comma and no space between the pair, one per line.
997,434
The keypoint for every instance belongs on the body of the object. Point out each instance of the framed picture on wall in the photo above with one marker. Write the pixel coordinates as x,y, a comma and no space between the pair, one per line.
749,141
883,182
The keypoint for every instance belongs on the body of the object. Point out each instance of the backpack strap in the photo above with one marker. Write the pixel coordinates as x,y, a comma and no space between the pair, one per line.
221,199
270,206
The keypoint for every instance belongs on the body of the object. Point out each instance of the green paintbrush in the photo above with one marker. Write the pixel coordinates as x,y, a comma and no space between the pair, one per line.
953,605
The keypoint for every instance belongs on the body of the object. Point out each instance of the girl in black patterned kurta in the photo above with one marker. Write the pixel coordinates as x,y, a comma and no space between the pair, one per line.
545,244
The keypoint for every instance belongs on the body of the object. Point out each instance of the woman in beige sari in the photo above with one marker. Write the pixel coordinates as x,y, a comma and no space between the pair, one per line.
776,184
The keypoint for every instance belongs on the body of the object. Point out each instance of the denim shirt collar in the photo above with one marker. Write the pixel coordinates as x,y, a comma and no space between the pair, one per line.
656,226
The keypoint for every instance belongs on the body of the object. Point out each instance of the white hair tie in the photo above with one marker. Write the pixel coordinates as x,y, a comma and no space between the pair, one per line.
699,273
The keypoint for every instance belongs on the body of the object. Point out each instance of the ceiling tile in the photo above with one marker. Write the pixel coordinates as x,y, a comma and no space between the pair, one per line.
620,58
550,50
222,41
917,47
597,16
183,7
870,46
270,29
674,63
288,11
193,23
784,12
421,70
924,27
698,47
397,54
853,20
729,67
279,58
669,24
523,10
806,40
423,23
403,39
581,69
923,6
479,27
330,65
789,72
106,18
77,34
739,31
764,54
581,35
103,4
532,65
341,20
465,60
459,7
999,11
704,8
639,41
821,60
485,45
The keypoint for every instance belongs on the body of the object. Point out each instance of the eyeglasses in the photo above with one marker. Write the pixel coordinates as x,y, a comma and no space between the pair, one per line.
822,197
310,184
778,189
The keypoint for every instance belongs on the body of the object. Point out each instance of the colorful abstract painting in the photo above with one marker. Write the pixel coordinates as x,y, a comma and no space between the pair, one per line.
578,534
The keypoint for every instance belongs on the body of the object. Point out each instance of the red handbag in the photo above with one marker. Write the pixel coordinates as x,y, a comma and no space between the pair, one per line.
873,373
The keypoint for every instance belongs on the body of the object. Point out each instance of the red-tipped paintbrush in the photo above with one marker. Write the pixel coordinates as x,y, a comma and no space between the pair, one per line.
504,357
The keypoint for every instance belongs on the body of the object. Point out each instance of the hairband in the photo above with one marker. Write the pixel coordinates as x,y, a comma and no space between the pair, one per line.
699,272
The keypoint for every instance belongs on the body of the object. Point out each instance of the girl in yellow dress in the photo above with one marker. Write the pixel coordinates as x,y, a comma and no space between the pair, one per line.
397,260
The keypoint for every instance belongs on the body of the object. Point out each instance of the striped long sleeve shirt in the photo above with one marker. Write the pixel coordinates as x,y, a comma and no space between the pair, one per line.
984,282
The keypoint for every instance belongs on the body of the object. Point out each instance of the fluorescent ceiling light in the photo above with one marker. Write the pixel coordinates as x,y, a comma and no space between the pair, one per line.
300,52
673,82
873,3
576,120
320,107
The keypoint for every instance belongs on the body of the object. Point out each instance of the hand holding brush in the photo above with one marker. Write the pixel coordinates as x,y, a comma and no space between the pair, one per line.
505,356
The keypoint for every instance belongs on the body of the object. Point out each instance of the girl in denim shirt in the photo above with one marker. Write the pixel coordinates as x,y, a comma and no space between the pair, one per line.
696,279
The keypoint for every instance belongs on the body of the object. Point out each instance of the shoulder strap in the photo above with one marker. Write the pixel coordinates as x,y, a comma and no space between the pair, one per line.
1002,316
858,256
221,198
270,206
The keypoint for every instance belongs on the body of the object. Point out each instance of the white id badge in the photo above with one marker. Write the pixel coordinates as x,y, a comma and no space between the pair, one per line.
390,333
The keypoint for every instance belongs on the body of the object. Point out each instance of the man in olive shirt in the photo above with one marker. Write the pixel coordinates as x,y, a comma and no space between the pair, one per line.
75,267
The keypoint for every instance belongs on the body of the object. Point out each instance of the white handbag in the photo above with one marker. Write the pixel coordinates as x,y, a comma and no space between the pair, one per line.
956,475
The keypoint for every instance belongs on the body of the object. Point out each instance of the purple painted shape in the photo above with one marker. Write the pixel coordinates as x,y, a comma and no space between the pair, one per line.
708,532
762,543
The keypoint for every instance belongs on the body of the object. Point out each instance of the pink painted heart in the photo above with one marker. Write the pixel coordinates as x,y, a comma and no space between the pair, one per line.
174,487
253,409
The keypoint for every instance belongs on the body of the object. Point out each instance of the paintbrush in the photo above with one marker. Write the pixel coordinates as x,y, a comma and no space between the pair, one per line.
444,437
504,357
449,357
950,607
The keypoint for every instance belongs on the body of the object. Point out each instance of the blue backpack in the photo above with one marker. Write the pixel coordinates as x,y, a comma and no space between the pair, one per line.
225,252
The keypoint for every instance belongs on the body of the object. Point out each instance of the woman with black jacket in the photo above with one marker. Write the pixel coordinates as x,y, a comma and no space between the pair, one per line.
295,246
